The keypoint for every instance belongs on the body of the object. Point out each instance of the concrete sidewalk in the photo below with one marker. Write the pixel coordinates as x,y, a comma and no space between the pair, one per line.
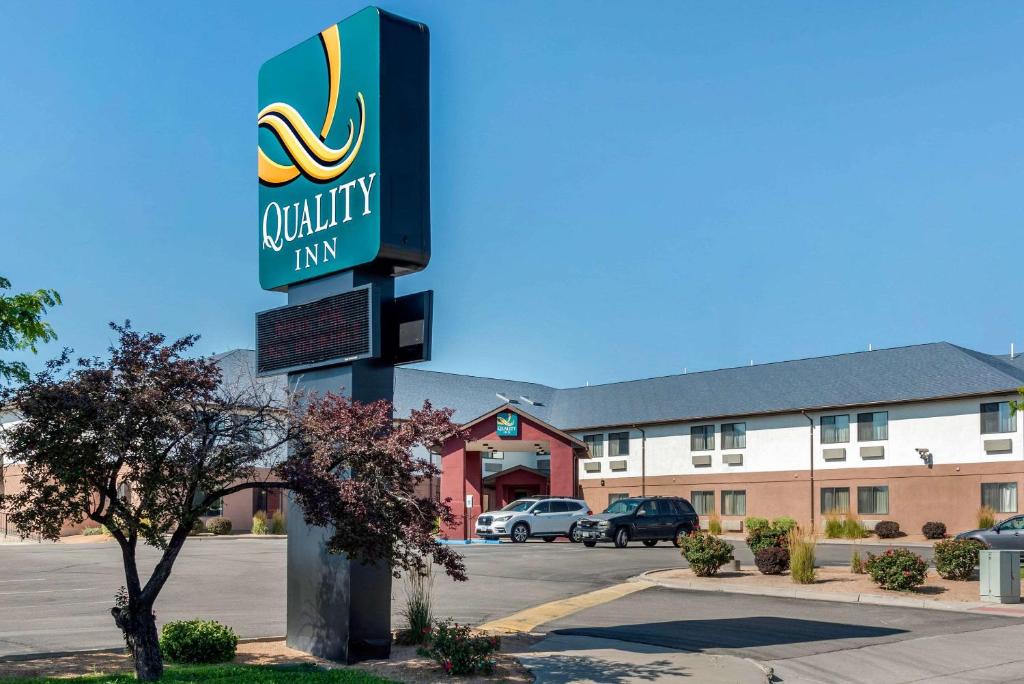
796,591
988,655
562,658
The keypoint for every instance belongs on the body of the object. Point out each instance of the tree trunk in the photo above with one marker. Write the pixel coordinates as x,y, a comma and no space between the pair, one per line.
139,627
149,663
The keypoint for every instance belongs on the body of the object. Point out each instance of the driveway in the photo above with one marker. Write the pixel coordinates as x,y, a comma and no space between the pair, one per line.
56,597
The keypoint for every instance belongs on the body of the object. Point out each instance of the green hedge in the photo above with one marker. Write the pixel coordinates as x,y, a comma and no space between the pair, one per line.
706,553
955,559
897,569
198,641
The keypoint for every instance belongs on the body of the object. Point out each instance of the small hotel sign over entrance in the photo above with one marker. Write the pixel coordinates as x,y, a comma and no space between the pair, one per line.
507,424
343,153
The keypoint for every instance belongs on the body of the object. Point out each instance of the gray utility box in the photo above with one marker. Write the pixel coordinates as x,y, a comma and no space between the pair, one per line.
1000,576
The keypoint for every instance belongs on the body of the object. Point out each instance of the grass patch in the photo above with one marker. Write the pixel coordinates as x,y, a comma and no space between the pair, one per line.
243,674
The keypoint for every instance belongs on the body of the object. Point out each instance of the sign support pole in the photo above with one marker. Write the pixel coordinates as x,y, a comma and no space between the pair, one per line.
338,609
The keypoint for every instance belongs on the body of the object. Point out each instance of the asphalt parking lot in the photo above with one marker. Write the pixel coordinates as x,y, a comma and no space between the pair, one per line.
57,597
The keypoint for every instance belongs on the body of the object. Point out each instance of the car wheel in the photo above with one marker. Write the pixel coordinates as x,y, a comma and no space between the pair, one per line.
590,544
575,534
677,539
549,539
621,538
520,533
650,542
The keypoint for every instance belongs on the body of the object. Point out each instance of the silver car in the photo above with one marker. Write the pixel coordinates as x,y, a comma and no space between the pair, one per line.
546,518
1007,535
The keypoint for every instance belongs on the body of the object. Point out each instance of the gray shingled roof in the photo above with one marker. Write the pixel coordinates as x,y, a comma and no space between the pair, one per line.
920,372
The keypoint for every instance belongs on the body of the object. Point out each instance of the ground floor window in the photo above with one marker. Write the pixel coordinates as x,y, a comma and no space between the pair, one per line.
734,502
873,500
703,502
1000,496
612,498
835,499
216,508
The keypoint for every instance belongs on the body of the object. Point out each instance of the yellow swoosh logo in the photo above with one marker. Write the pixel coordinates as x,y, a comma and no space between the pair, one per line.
307,150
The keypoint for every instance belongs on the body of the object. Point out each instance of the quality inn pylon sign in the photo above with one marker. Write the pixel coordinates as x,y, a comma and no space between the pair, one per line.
343,152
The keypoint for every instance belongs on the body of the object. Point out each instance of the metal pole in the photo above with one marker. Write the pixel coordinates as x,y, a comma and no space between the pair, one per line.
643,460
810,443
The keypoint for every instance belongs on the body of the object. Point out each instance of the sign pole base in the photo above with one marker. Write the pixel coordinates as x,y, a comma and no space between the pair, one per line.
338,609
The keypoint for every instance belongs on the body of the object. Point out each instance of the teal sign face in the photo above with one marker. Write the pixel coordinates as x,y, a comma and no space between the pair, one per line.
508,424
342,172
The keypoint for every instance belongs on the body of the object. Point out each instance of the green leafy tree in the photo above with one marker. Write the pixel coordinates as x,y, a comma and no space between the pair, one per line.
22,326
1016,406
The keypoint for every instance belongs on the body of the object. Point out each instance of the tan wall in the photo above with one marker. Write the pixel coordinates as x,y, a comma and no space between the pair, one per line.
946,493
237,507
12,485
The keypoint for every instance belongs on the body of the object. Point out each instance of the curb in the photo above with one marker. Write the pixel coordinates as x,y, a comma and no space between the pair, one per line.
25,657
466,542
806,594
767,670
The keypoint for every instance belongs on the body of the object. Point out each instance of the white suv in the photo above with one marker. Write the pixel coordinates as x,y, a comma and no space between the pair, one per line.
546,518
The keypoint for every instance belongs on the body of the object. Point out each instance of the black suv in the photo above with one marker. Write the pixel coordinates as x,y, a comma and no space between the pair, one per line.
649,519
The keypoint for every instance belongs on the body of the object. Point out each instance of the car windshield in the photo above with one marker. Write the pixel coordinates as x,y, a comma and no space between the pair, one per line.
519,506
623,506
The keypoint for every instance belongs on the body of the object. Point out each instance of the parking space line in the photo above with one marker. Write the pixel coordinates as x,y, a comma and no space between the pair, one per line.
527,620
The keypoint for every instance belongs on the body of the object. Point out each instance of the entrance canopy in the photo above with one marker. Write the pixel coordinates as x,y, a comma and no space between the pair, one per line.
541,446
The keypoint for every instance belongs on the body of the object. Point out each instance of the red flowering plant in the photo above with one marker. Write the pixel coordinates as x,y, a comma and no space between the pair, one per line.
897,569
352,468
460,652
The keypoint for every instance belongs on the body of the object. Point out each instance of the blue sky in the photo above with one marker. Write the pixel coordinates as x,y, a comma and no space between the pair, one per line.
619,189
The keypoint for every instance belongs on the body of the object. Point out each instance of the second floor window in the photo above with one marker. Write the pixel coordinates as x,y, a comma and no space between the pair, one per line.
618,444
872,427
596,444
997,417
835,429
734,436
702,438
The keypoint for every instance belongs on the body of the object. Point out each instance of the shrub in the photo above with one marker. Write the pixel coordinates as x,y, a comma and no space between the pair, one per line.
198,527
277,523
219,525
934,530
897,569
887,529
766,538
801,556
459,651
955,559
417,610
833,526
92,531
259,523
752,524
706,553
986,517
856,563
772,560
784,524
852,529
198,641
714,524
